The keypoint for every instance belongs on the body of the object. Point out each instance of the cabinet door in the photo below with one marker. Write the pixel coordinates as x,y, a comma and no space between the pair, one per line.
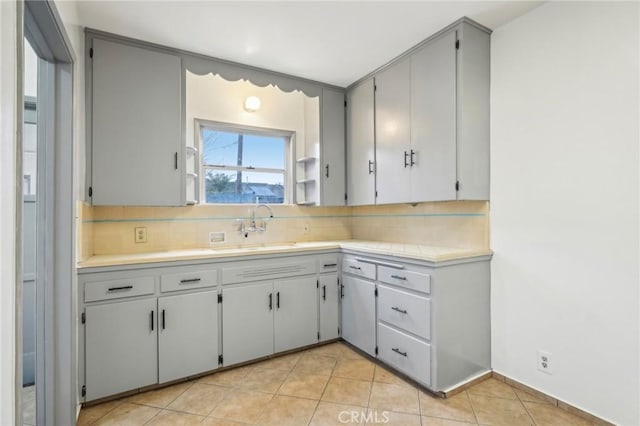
136,126
296,315
393,140
359,313
433,118
247,322
360,145
121,347
329,306
333,148
188,341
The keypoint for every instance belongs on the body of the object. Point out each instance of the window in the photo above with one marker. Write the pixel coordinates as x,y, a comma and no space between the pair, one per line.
244,165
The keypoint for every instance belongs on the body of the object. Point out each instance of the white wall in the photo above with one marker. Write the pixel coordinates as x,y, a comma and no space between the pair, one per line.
564,203
8,101
210,97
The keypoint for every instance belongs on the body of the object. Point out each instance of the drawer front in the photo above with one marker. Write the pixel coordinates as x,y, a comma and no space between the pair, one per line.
267,271
117,289
406,353
351,265
328,263
418,281
188,280
404,310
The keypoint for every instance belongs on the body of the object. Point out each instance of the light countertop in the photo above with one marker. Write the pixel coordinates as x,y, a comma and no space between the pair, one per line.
413,251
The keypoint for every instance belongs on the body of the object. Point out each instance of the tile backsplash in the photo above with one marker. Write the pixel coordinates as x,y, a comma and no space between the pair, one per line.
110,230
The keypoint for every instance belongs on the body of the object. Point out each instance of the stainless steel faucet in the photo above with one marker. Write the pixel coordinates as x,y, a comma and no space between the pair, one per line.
253,226
263,227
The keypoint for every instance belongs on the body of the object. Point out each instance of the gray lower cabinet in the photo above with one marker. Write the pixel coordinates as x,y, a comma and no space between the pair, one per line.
296,313
359,313
153,325
120,347
247,321
329,294
260,319
430,321
187,321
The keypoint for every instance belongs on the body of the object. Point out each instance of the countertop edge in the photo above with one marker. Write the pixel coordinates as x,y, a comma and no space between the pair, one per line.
365,247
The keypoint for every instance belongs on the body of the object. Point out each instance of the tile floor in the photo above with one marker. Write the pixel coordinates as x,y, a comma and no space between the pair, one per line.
326,385
29,405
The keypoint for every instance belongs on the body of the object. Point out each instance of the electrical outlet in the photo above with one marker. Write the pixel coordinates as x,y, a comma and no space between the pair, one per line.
216,237
544,362
306,228
141,234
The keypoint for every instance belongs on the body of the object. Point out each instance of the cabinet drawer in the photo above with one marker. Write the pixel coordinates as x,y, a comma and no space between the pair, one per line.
188,280
418,281
253,271
351,265
406,353
404,310
328,263
116,289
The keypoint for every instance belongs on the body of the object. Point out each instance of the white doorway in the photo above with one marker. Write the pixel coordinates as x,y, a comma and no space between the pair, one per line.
45,359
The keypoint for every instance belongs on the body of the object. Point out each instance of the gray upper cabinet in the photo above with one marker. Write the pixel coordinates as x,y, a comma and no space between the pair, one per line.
135,126
433,120
431,115
472,110
333,148
361,144
393,133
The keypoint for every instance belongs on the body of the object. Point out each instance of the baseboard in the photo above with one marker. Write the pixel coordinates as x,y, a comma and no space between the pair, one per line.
554,401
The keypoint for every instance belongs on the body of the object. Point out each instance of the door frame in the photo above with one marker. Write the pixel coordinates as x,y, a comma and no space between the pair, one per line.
56,340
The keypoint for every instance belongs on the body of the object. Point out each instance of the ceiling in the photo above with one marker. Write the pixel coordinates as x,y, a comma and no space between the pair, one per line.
333,42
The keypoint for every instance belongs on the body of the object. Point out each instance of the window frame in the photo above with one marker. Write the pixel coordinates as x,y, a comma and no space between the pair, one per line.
289,152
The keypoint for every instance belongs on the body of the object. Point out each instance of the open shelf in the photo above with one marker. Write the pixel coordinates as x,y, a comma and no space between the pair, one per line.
306,159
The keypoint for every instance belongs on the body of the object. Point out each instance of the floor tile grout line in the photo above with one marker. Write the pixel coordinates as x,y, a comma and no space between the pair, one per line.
525,408
105,414
473,410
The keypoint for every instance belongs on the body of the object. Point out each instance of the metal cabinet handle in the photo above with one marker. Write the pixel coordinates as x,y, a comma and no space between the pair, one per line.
341,291
324,292
413,163
152,321
124,287
402,311
278,300
371,170
398,277
328,265
327,170
190,280
355,267
163,320
406,155
396,350
271,301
